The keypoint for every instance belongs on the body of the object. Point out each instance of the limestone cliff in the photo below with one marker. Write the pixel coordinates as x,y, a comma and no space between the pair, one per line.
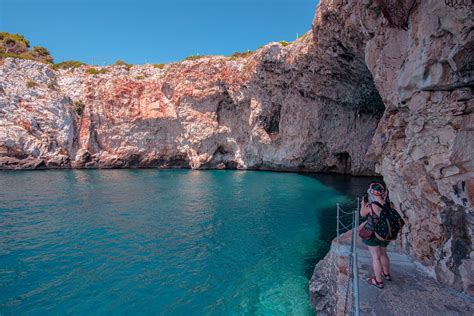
424,144
279,108
313,105
420,54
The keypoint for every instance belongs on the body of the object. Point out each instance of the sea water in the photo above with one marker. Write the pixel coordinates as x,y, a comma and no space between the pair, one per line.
168,242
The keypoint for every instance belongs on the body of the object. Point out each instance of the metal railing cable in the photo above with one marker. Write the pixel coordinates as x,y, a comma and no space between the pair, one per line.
343,227
355,268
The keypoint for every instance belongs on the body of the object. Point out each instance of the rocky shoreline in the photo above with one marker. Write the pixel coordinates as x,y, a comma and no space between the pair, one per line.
330,286
374,87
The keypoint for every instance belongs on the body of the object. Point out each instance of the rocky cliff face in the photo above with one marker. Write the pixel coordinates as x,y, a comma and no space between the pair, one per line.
279,108
420,54
424,144
312,105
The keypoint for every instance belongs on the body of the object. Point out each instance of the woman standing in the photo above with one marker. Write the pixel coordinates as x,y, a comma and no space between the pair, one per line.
371,208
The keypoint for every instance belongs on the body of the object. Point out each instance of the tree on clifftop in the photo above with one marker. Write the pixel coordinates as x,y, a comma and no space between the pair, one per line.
17,46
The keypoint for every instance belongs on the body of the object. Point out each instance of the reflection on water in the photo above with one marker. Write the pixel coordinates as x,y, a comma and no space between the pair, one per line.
172,242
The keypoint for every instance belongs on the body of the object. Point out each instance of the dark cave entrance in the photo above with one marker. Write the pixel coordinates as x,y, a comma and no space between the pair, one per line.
344,160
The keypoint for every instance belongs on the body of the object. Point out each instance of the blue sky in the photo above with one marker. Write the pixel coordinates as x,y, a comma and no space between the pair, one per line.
139,31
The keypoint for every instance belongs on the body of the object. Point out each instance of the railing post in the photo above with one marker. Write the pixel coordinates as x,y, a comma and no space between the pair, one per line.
337,229
355,271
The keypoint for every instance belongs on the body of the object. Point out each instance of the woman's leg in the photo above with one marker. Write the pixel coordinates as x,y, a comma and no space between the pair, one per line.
376,264
384,260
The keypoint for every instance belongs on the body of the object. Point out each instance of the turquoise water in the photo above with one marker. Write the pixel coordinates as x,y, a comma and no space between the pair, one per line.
174,242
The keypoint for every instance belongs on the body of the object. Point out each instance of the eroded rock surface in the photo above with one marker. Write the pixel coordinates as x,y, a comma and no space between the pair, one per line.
420,54
424,144
280,108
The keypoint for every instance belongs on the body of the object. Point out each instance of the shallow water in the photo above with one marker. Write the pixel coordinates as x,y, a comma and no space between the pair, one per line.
174,242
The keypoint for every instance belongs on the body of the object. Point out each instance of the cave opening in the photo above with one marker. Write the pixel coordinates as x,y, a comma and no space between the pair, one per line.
271,121
344,160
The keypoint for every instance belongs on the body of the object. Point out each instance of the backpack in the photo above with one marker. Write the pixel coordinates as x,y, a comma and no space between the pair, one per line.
390,223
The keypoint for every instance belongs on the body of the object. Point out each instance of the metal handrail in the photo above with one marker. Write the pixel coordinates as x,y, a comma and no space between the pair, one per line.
345,226
355,268
353,256
345,212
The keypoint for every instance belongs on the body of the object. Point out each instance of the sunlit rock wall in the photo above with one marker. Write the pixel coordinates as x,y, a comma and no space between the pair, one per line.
281,108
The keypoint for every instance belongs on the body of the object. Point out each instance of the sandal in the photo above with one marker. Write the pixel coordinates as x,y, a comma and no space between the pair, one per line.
387,277
373,281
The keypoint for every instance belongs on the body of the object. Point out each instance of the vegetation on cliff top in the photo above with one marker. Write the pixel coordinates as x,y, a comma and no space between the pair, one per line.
120,62
237,55
95,71
284,43
303,37
17,46
67,64
195,57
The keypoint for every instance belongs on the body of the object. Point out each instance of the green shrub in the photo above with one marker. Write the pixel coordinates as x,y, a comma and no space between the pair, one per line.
303,37
241,55
42,54
95,71
17,46
159,66
119,62
41,51
31,84
68,64
140,77
10,43
79,107
284,43
22,56
5,36
194,57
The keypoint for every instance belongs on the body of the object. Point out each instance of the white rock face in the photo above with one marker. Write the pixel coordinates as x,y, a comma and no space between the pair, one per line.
28,130
280,108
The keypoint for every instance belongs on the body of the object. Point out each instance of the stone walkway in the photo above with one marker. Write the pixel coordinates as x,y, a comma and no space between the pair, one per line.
412,291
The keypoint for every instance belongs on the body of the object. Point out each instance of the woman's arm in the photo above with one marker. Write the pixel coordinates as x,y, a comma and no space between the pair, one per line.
364,208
